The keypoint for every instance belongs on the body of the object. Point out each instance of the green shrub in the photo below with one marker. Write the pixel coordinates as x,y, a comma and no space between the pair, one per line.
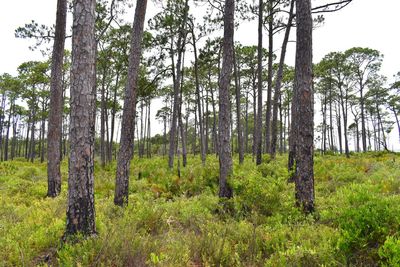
389,253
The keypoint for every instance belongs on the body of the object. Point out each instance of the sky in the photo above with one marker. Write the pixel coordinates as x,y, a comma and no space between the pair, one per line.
365,23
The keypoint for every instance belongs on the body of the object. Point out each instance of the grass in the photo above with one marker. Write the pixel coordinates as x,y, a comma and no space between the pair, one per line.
172,221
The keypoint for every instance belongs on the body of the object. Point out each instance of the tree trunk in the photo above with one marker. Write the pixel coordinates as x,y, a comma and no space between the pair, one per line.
14,139
304,177
103,117
214,129
258,123
113,112
225,156
43,129
180,47
32,143
27,136
81,210
8,132
269,85
125,152
363,133
278,83
343,103
254,146
200,115
397,121
339,127
238,116
246,129
56,101
148,129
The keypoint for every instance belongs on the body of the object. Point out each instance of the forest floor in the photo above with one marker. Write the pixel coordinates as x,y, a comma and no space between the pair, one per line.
172,221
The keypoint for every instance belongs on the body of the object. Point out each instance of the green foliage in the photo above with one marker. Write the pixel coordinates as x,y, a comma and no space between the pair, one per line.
178,221
389,253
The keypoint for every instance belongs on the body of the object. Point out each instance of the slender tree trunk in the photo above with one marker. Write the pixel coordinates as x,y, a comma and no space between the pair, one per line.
238,113
280,125
339,127
199,108
246,131
27,136
258,123
14,139
278,82
343,103
125,152
397,121
3,108
180,122
324,108
113,112
148,129
363,132
8,132
43,129
32,143
103,117
225,156
81,210
56,101
215,133
254,145
180,47
304,177
269,85
358,136
381,127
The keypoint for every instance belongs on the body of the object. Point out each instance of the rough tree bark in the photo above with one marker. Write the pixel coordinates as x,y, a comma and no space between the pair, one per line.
225,156
80,210
128,116
269,84
304,176
55,111
258,126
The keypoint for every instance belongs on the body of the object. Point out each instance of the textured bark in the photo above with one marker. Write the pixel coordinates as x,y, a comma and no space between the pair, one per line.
278,82
238,116
55,111
81,211
304,177
269,84
225,156
177,80
258,126
125,152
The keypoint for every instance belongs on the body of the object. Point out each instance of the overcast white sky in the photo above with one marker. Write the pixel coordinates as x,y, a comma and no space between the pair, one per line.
366,23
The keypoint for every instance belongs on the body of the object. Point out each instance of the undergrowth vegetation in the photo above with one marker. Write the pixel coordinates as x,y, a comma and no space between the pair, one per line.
178,221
